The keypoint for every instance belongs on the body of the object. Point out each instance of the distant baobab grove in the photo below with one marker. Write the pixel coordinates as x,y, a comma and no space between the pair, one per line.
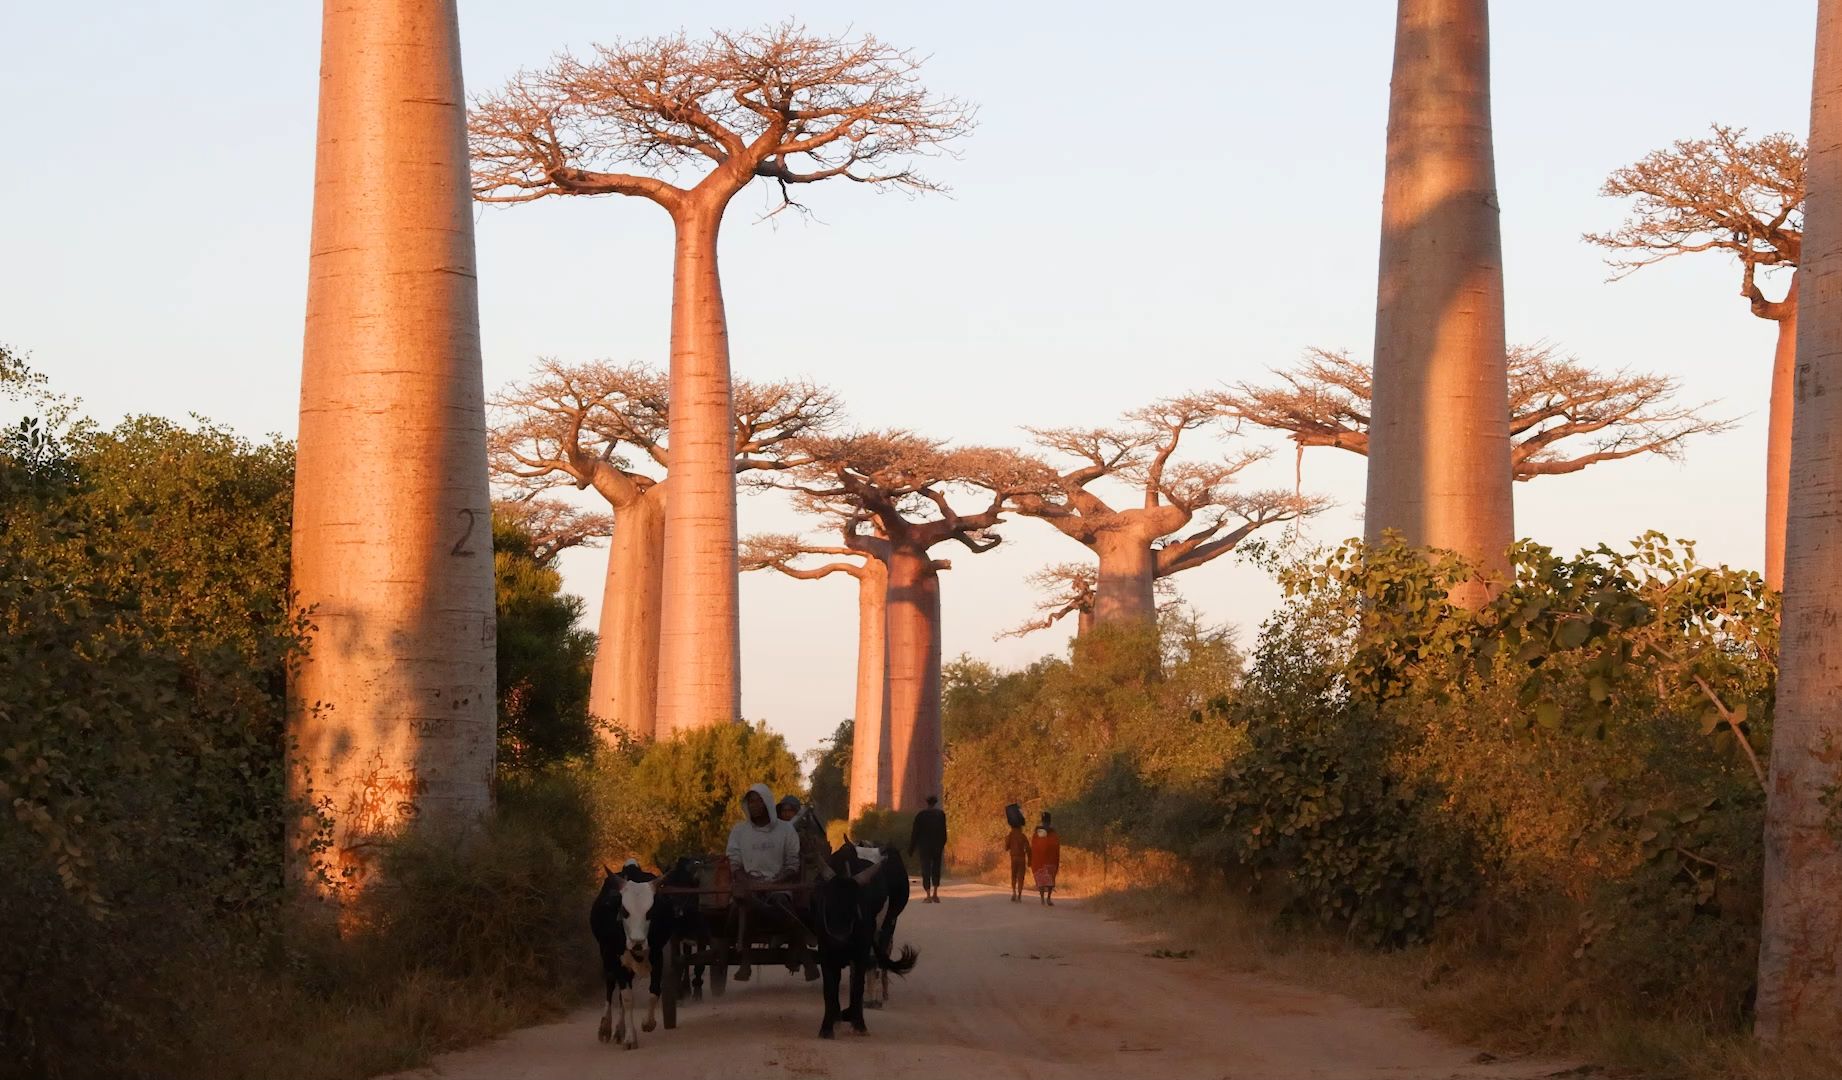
317,769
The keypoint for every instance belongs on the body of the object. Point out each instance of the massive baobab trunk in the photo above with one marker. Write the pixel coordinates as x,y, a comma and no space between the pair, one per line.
1124,592
393,707
915,765
1778,436
1800,976
870,769
699,640
624,689
1439,456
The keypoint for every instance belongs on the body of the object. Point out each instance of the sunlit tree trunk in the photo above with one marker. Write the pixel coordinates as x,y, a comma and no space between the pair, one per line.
914,678
1439,458
1800,948
699,640
1124,591
1778,437
624,689
869,741
392,710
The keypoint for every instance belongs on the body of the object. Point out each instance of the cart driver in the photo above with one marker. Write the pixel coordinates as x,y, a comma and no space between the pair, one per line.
762,847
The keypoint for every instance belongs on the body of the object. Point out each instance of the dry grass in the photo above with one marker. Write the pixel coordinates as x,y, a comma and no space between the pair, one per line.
1475,986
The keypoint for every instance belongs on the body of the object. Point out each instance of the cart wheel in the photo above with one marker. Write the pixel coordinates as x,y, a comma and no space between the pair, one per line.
668,984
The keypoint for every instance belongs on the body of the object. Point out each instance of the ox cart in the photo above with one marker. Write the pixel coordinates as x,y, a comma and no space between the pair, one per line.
729,920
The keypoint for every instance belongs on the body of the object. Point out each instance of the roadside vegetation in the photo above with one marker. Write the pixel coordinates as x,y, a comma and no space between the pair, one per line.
146,929
1536,823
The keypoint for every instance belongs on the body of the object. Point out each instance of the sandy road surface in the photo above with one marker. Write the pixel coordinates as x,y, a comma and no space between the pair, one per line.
1007,991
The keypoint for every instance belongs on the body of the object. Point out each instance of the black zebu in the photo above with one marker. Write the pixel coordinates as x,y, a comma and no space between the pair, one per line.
636,929
851,892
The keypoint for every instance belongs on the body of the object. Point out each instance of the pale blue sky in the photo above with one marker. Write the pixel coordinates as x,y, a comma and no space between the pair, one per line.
1186,192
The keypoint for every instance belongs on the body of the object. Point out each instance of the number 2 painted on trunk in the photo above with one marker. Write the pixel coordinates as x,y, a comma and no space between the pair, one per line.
460,546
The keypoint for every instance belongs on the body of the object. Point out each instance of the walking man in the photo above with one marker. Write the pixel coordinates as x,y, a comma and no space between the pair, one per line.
929,840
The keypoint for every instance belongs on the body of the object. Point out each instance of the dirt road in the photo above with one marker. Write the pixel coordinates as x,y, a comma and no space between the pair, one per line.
1008,990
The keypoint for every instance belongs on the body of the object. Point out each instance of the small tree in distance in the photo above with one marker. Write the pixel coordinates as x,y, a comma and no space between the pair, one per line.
897,487
696,122
1136,542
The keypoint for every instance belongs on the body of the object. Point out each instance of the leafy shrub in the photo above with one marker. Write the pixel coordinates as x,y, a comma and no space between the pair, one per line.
695,781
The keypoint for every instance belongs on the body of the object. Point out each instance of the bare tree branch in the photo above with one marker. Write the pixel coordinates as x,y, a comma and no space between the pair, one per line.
1554,400
1721,193
554,525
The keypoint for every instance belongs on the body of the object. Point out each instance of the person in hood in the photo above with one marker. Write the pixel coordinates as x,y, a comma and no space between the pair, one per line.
762,846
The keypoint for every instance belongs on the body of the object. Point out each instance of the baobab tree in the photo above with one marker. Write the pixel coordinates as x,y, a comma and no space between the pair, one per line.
1563,416
1439,436
575,425
1744,199
1137,544
696,122
863,556
392,708
1800,982
900,487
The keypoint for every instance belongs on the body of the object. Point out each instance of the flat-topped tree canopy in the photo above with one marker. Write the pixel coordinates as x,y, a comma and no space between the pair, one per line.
1722,193
666,117
905,481
1564,416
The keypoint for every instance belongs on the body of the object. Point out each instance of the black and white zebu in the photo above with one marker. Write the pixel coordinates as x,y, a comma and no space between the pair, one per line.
857,885
635,928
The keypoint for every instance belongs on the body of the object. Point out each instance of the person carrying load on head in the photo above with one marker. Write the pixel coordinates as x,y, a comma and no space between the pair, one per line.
1017,846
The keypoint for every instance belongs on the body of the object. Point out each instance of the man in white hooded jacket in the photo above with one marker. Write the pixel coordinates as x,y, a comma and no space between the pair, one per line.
761,846
764,848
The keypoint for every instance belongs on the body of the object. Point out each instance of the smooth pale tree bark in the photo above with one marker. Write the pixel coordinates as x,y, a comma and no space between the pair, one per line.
393,708
1124,592
624,685
1800,948
700,651
1778,432
915,741
870,756
1439,456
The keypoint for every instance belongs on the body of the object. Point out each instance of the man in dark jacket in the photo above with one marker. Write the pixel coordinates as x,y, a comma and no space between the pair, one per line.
929,839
